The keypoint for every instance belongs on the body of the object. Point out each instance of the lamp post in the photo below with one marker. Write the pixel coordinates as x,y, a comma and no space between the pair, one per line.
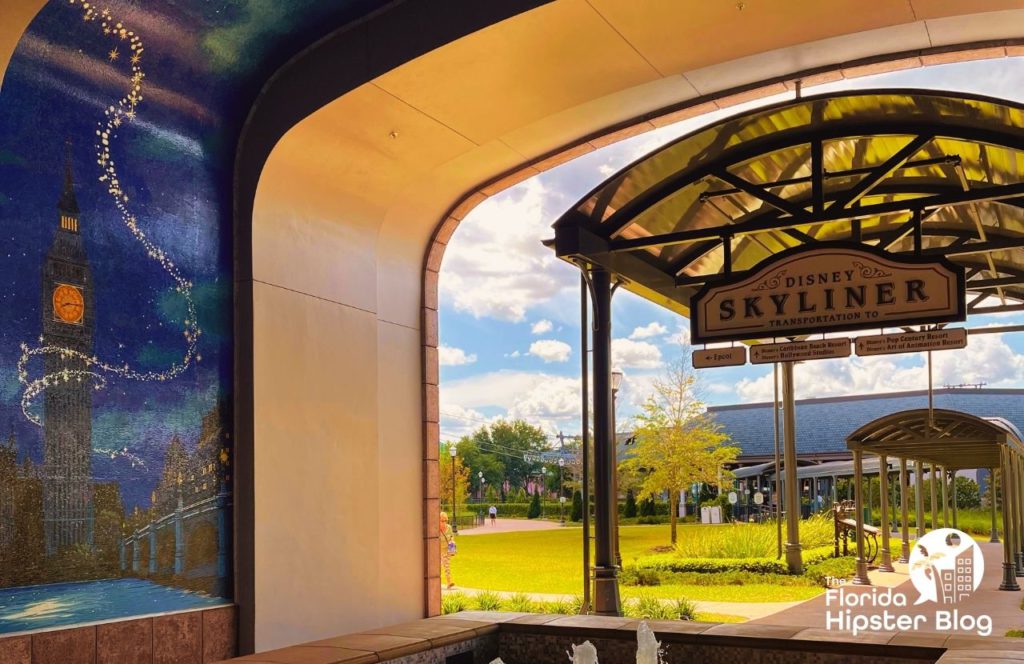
616,382
480,484
561,491
543,489
455,521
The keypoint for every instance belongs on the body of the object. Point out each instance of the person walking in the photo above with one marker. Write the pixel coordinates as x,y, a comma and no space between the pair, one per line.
493,511
447,544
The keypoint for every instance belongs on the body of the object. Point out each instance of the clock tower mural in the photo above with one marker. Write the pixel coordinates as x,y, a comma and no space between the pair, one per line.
116,355
68,323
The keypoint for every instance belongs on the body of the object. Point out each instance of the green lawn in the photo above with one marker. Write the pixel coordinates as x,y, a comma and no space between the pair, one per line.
549,561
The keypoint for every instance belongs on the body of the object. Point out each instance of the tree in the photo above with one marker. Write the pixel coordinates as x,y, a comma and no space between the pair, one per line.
677,442
577,507
461,479
967,494
534,511
630,504
503,451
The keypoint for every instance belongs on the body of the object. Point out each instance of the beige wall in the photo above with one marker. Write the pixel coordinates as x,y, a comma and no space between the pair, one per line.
348,207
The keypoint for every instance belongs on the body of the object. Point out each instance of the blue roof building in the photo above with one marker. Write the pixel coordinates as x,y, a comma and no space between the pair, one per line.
823,424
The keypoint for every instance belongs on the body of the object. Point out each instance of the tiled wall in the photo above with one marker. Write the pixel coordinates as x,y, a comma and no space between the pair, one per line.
193,637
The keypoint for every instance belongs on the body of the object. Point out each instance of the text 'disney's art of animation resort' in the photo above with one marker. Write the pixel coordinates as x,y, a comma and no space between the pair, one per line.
506,332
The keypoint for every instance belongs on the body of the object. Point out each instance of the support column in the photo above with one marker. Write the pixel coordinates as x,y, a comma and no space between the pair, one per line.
606,582
152,548
136,554
179,537
994,535
883,489
794,559
945,498
123,554
919,498
953,491
934,490
861,576
1009,575
1012,489
1018,530
904,535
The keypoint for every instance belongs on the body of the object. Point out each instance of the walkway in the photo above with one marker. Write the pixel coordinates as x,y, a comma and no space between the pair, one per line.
748,610
1004,607
511,526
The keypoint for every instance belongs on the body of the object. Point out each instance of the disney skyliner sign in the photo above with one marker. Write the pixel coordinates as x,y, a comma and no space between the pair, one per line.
834,287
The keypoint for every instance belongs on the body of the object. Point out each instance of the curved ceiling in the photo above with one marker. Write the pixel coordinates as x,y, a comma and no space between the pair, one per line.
856,166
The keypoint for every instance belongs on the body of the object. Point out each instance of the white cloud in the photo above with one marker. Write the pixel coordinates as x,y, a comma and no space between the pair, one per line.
542,326
630,354
551,350
514,353
681,337
987,359
546,400
652,329
495,265
457,421
449,356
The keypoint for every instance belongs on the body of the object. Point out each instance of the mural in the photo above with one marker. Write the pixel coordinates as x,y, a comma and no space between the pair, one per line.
115,348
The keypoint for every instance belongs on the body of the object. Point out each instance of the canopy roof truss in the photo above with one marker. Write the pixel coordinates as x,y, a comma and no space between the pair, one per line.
911,172
947,438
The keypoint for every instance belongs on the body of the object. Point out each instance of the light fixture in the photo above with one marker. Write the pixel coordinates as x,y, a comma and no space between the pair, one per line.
451,449
616,380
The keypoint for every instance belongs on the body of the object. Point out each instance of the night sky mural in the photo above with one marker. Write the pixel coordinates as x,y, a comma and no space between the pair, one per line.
118,127
115,352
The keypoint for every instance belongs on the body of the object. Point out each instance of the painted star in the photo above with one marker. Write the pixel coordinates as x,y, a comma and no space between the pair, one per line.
135,59
113,55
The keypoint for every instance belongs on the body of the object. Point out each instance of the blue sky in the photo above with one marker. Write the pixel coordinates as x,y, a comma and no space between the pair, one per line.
509,311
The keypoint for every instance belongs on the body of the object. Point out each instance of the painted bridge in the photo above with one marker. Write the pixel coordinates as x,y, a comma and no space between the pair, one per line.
186,522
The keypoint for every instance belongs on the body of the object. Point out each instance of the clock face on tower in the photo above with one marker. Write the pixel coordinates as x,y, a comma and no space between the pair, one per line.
68,304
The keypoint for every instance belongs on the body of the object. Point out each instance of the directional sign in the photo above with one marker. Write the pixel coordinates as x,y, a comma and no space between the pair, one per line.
912,342
799,351
827,287
719,357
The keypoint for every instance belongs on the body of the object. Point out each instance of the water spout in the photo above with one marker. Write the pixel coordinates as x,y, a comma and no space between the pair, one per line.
648,648
584,654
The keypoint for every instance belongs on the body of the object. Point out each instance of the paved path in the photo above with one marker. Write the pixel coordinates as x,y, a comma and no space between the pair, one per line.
511,526
748,610
1003,606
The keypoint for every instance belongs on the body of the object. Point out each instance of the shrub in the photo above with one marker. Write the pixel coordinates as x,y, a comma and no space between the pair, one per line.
651,520
647,507
648,608
968,495
488,601
534,510
684,609
522,603
837,568
561,607
673,562
454,602
577,507
633,576
630,510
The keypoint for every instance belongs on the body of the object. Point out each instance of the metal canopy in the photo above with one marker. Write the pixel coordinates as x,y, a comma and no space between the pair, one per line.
947,438
909,171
